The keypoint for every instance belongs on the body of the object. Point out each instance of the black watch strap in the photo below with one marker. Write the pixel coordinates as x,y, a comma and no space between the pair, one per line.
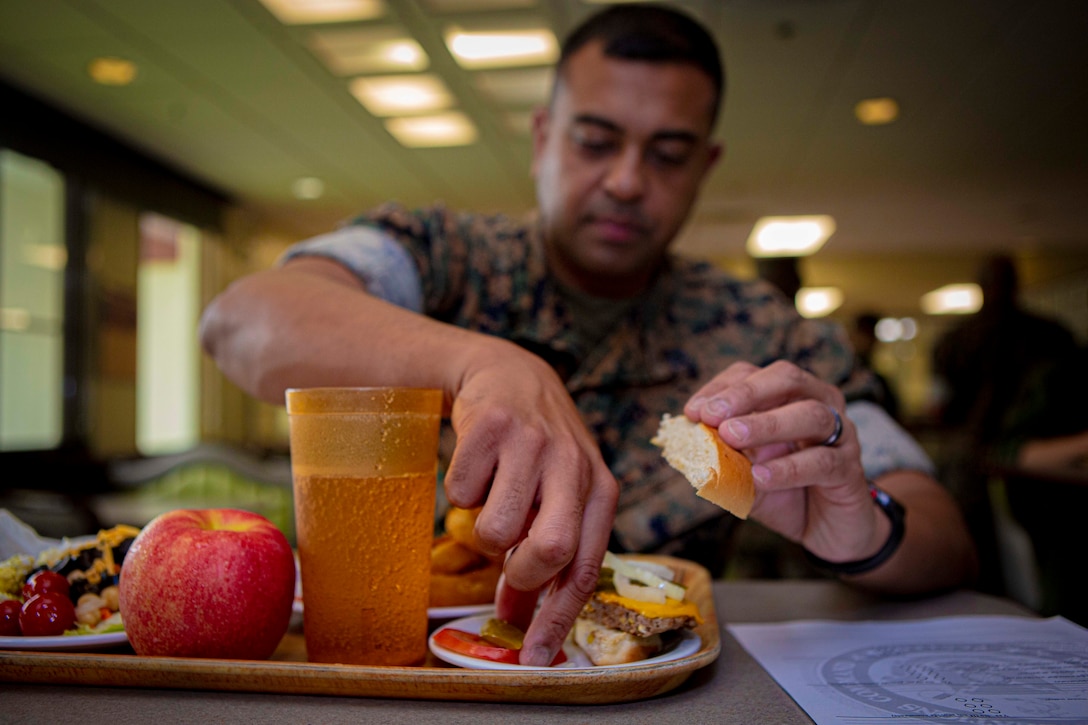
896,514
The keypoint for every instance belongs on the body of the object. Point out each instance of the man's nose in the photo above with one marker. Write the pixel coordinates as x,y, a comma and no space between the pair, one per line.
625,180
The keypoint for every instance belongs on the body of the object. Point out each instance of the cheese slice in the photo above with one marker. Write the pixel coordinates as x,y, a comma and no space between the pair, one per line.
671,607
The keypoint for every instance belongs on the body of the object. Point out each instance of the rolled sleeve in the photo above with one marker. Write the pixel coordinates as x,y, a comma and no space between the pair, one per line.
885,445
383,265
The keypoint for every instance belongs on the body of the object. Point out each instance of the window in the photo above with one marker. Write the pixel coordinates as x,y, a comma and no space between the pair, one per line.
167,348
32,264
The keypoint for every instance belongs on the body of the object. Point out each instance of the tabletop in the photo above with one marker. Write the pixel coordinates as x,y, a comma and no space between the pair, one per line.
732,689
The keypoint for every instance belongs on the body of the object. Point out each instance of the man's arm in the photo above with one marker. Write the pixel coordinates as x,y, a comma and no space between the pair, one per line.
522,444
1042,455
310,323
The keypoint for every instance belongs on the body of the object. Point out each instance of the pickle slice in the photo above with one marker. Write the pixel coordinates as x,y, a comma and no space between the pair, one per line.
502,634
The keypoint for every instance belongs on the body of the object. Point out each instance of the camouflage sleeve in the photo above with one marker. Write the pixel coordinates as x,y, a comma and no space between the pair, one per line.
382,265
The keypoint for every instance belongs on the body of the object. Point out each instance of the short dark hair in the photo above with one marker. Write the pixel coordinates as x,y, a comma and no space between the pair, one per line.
653,33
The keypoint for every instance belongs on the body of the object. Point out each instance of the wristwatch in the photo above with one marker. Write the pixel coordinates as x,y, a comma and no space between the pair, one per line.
896,514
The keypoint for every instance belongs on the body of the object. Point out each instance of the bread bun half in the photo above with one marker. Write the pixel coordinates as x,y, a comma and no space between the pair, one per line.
605,646
720,474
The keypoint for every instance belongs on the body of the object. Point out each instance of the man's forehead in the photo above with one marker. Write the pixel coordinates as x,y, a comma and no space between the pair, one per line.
672,96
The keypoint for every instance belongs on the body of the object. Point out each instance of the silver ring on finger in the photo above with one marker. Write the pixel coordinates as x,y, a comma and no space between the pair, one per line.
837,433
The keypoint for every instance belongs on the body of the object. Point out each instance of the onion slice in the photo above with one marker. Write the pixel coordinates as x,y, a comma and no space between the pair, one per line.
639,592
636,573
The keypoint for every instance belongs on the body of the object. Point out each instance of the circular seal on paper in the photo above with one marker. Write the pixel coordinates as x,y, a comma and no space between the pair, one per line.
963,683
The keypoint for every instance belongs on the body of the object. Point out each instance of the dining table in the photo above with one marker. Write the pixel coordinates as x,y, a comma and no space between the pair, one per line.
732,687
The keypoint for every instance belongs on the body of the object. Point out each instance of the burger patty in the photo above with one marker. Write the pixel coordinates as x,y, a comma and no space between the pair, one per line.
616,616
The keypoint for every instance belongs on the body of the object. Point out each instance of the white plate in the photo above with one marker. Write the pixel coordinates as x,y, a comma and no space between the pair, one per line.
688,644
435,613
70,643
467,610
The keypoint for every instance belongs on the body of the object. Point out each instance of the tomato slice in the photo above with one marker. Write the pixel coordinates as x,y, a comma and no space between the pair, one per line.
473,645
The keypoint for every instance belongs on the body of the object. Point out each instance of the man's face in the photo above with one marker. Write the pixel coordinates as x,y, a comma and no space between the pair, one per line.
618,159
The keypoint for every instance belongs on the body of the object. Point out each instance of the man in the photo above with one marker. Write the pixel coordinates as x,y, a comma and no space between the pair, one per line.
586,302
983,363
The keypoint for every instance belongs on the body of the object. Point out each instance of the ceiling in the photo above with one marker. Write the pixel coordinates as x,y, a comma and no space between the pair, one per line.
990,150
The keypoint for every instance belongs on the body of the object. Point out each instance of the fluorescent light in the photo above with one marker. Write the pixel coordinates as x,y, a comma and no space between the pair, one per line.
398,95
302,12
500,48
876,111
112,71
818,301
953,299
367,50
910,328
890,329
789,236
445,129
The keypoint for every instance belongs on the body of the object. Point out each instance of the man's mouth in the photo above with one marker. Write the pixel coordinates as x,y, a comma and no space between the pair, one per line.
617,228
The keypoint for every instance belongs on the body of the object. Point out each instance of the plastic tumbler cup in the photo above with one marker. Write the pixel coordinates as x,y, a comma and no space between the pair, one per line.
364,462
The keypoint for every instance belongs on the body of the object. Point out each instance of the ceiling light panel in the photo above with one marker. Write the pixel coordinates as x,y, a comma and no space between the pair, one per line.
876,111
789,236
367,50
818,301
527,87
953,299
303,12
110,71
497,48
401,95
445,129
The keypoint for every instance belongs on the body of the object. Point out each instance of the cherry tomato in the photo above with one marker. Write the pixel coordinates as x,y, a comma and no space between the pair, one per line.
47,615
9,617
45,581
473,645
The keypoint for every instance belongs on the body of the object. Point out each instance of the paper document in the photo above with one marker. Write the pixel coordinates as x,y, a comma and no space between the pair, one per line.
966,669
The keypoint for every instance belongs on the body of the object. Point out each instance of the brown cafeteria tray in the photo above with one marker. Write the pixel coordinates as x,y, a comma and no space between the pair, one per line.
288,671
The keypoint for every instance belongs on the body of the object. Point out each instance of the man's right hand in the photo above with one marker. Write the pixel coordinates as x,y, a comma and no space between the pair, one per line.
549,499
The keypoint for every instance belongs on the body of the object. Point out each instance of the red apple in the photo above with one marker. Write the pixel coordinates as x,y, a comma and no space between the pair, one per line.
208,583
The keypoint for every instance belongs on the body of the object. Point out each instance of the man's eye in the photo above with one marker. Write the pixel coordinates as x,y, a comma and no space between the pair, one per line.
594,143
670,156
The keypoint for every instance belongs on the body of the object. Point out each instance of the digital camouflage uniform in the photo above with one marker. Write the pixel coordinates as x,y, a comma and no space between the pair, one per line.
488,274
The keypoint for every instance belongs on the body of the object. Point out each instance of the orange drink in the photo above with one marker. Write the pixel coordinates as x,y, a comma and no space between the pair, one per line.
364,466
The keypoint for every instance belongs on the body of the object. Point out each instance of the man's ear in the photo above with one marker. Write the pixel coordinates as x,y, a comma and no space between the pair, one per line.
715,154
541,127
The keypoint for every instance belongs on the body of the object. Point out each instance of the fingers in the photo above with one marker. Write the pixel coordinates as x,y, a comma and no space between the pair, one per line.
809,422
816,464
708,400
514,605
743,388
567,591
547,497
575,584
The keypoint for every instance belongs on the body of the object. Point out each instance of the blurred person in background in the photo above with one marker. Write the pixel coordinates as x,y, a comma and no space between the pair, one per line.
982,364
863,337
1042,455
